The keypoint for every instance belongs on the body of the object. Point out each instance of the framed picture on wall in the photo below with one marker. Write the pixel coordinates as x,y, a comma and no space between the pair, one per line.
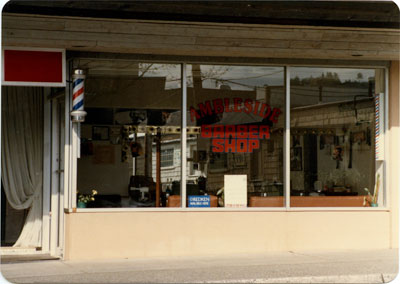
101,133
296,159
104,154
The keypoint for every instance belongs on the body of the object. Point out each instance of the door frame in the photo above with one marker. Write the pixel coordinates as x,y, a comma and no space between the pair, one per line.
53,176
57,178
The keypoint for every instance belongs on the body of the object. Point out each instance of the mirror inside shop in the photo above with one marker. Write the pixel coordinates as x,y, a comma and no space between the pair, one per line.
130,151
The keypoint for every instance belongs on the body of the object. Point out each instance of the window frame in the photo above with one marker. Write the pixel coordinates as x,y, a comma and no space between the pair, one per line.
383,166
169,154
72,158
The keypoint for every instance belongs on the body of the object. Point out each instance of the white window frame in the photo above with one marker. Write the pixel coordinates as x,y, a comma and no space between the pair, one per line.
70,205
163,158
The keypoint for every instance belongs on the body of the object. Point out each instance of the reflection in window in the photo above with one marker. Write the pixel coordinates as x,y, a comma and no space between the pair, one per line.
131,135
131,140
310,86
332,147
238,112
167,158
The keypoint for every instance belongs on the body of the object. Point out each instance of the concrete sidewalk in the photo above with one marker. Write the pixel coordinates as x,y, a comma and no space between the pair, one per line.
286,267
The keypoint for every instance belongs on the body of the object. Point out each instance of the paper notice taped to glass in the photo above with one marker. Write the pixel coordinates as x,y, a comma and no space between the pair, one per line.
235,190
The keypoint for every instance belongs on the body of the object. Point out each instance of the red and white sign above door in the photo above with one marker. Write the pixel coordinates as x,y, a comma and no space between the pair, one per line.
33,67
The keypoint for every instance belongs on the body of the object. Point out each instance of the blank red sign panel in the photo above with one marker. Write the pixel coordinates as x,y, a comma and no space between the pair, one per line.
33,66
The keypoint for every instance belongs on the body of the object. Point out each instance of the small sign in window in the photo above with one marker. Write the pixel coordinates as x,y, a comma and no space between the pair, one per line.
199,201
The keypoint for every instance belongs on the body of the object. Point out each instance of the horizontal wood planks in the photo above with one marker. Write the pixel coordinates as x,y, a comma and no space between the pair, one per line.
316,13
200,39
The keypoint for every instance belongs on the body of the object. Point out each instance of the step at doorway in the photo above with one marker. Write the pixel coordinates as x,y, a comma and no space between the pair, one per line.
14,258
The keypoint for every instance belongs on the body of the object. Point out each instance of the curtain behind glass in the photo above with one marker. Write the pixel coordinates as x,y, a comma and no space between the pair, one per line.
22,157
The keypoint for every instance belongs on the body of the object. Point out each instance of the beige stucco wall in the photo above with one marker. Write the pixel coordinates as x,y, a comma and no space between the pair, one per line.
146,234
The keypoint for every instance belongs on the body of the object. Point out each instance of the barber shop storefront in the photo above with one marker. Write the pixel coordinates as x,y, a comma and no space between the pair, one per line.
166,138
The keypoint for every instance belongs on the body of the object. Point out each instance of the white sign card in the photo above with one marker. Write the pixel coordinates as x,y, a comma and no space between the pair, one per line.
235,191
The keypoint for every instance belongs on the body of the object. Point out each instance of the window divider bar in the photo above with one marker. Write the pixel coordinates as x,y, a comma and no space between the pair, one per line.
385,186
286,142
67,153
183,135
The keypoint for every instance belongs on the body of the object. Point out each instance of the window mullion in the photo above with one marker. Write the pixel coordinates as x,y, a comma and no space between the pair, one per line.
183,135
286,142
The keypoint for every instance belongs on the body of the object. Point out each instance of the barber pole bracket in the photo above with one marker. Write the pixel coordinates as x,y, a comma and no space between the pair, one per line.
78,114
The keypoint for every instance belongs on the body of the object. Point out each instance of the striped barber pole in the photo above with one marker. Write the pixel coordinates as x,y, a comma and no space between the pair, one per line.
377,126
78,90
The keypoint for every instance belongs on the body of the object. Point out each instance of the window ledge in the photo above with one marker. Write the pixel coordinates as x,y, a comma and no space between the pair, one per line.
248,209
169,168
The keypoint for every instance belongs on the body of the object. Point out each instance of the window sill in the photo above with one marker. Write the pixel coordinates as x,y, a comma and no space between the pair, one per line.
168,168
220,209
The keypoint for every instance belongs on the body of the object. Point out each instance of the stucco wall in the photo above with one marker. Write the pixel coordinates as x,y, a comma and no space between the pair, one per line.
146,234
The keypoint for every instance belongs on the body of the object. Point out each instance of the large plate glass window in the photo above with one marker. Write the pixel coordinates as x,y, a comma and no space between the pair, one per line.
235,121
336,143
130,141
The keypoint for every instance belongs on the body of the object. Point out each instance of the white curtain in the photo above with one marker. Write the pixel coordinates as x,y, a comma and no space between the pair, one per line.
22,157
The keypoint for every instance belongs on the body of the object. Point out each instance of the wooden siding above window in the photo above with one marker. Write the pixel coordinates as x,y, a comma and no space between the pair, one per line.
200,39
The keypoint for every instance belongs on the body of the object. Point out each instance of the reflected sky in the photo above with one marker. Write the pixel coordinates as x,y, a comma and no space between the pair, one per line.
233,77
171,72
345,74
237,77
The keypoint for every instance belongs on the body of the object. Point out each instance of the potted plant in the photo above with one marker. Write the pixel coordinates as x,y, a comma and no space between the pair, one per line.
372,200
83,199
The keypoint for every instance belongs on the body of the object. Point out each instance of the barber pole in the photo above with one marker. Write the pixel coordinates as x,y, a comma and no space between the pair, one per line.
377,126
78,114
78,90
